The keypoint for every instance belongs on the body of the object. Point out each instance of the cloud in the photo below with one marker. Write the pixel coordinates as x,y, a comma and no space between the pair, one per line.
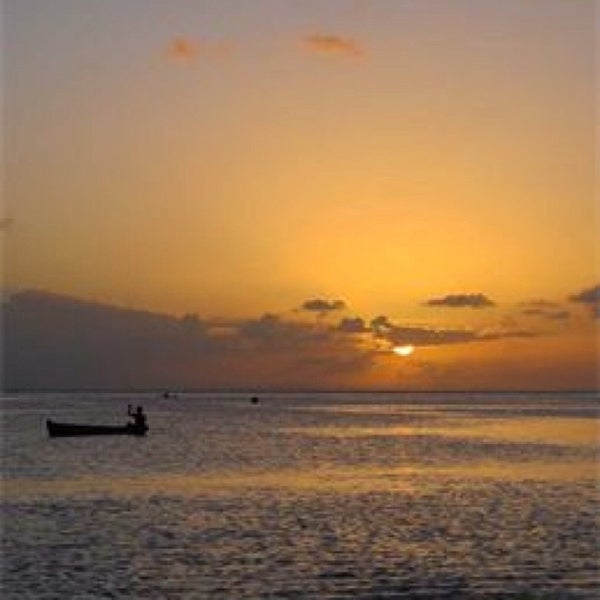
333,44
322,307
544,309
90,345
546,313
356,325
399,335
271,330
501,334
185,50
381,323
589,297
182,49
539,303
60,342
422,336
462,300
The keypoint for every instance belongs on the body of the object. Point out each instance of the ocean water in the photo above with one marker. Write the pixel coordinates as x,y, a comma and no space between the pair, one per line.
304,496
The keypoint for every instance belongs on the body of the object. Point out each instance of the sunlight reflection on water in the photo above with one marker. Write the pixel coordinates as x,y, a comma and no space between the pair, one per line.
564,431
296,498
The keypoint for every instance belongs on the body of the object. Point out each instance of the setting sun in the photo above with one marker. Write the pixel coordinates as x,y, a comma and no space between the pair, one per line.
313,226
403,350
326,274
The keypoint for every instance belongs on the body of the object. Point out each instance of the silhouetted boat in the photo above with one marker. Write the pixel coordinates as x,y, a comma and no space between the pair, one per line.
70,429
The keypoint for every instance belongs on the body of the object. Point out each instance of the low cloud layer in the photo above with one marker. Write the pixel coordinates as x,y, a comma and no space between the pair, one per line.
383,328
55,342
461,301
545,313
333,44
425,336
59,342
539,303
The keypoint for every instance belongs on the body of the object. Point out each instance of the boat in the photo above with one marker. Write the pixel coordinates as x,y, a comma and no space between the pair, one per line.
71,429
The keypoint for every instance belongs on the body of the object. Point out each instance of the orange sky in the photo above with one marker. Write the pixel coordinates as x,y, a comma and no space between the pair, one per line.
230,160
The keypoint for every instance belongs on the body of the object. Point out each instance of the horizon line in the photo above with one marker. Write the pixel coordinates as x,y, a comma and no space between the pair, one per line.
173,390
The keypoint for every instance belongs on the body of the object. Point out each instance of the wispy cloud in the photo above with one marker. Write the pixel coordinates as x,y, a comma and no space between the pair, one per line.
424,336
461,301
382,328
186,50
182,49
539,303
546,313
333,44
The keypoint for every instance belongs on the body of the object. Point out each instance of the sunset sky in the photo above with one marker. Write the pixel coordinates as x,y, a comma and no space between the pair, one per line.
317,182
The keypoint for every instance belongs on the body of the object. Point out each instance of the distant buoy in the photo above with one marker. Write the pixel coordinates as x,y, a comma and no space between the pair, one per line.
254,399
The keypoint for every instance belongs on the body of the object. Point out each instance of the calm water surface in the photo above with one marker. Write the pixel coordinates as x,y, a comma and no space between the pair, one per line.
304,496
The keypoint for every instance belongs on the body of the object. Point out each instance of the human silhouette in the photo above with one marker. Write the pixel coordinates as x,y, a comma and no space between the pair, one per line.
139,418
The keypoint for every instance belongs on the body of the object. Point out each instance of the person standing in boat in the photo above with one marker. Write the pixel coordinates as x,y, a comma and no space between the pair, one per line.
139,418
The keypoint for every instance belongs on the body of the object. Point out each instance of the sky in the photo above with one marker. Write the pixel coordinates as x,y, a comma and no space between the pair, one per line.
315,183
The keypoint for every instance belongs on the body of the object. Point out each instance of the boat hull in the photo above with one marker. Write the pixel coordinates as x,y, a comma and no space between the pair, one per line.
71,429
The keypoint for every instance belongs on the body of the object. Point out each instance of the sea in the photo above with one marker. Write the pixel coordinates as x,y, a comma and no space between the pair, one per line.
304,495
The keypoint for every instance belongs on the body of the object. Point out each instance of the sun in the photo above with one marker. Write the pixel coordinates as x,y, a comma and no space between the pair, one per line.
403,350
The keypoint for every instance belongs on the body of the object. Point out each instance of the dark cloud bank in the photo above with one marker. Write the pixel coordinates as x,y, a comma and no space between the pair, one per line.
55,341
58,342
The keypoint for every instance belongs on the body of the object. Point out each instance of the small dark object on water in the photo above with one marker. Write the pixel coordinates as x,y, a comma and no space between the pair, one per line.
71,429
254,399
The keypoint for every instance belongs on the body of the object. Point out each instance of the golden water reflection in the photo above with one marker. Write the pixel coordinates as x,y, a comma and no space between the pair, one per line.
409,479
549,430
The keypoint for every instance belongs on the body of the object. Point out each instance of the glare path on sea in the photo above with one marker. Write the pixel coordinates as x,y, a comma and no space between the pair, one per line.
304,497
